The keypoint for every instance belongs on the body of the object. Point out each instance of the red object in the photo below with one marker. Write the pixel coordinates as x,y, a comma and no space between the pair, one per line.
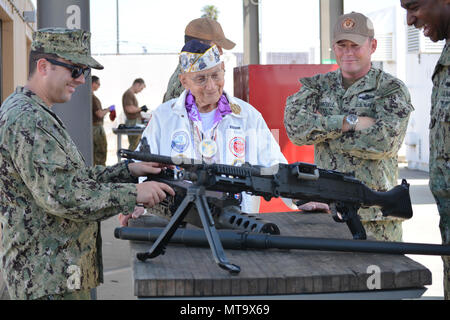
112,115
266,87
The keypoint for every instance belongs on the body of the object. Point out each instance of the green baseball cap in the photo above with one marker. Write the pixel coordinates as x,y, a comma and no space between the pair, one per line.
69,44
353,26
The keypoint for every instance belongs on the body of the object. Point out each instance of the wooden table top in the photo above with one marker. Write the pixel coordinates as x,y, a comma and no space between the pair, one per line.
191,271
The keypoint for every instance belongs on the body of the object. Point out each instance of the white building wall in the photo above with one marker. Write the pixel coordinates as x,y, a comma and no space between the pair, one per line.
156,70
415,70
418,80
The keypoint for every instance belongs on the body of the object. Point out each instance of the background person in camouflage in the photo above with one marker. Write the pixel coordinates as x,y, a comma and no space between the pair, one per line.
98,132
132,110
434,17
207,31
51,203
355,116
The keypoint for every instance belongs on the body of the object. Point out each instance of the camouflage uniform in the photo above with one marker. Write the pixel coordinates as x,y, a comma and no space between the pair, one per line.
75,295
174,88
370,154
3,289
440,151
51,203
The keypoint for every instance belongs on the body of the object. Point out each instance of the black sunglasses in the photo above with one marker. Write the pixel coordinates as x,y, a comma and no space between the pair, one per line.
76,70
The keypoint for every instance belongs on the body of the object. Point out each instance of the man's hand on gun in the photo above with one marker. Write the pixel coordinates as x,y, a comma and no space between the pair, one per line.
149,193
315,207
139,169
123,219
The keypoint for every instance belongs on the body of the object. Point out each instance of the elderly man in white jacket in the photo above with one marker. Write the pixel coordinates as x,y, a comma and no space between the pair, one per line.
207,123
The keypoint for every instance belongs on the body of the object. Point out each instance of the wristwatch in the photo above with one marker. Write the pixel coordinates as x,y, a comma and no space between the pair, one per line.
352,120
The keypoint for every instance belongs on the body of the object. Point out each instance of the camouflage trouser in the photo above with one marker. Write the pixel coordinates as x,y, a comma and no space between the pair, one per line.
100,145
385,230
4,295
76,295
133,140
3,289
443,205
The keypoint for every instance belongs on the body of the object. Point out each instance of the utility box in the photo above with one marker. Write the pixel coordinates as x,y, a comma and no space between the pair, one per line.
266,87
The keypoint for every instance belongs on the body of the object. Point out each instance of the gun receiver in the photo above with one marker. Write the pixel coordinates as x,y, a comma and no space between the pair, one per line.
300,181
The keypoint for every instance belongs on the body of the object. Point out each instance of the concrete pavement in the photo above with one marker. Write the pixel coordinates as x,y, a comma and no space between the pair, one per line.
423,227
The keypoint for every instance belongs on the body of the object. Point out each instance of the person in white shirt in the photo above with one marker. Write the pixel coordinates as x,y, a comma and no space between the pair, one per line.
206,123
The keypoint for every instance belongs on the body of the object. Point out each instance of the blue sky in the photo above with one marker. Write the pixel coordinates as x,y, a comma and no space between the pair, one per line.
157,26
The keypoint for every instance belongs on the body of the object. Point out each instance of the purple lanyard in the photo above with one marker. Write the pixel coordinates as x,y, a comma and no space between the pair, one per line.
223,108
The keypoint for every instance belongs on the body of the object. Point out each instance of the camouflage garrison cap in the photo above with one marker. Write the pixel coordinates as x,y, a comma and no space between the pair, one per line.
69,44
196,56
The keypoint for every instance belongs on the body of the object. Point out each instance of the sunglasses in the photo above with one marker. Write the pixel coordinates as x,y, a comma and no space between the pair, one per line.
76,70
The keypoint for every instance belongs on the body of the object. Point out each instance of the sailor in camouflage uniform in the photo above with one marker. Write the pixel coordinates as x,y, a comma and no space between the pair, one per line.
356,117
434,16
51,203
207,31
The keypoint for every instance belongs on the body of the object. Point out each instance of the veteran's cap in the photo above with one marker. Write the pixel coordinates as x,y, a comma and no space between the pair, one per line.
196,56
69,44
208,29
353,26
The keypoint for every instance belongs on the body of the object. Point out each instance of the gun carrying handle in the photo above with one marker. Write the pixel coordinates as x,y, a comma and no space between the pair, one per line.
306,176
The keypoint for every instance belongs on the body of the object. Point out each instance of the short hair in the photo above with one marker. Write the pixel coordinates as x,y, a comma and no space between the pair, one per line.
34,57
138,80
95,79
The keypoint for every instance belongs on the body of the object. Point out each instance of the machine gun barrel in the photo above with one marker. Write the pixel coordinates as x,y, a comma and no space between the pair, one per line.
149,157
245,240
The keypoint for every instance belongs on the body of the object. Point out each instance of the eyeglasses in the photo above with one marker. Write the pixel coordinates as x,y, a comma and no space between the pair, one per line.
76,70
203,79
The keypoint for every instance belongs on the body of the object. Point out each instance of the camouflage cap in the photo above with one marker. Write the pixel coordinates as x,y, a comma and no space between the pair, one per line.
353,26
69,44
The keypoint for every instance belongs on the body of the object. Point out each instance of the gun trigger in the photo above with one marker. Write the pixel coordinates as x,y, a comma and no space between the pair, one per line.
335,214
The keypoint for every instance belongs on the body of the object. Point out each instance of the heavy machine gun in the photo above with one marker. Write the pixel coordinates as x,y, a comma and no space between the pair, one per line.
300,181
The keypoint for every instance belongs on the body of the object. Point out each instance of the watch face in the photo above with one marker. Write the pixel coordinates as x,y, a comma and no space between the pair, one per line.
352,119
